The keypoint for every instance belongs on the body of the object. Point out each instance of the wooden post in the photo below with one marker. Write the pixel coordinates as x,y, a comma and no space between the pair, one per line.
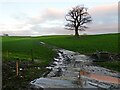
7,54
17,68
80,81
32,55
79,75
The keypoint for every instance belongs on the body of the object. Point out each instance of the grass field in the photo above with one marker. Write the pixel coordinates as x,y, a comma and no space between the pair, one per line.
14,47
23,47
85,44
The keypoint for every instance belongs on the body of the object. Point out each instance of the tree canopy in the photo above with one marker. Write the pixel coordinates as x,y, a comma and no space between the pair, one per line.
77,19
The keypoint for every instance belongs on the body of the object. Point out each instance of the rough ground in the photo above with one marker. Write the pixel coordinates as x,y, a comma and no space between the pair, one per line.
27,71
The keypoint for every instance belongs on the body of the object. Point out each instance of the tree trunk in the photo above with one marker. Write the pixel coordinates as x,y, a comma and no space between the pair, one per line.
76,32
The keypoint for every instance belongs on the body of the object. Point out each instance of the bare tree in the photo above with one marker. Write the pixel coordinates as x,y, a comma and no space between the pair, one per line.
77,19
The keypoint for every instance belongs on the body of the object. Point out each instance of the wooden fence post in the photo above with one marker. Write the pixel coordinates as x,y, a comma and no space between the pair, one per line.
7,54
17,67
32,55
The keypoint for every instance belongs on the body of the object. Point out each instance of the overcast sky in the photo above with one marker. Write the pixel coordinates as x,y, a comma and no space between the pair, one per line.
47,17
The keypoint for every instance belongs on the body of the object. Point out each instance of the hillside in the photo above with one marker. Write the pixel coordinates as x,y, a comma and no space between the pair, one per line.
13,47
85,44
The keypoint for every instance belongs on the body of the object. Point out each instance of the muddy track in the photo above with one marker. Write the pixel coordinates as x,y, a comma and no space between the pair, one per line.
65,73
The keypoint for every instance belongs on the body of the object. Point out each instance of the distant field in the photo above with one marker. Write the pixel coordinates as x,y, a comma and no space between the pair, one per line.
20,47
85,44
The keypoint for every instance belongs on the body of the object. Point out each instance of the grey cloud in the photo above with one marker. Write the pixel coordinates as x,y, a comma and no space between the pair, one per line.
53,14
59,30
103,28
105,14
47,15
20,16
20,33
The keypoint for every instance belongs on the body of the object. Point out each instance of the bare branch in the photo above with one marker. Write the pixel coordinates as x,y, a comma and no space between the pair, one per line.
69,28
71,20
85,20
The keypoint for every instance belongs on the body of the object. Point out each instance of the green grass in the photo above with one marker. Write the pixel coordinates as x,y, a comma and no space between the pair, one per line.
20,47
85,44
13,47
114,65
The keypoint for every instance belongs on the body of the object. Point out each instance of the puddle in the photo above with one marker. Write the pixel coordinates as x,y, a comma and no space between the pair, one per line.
53,83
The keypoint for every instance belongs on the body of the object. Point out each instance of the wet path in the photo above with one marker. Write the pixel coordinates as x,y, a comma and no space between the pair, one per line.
65,73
